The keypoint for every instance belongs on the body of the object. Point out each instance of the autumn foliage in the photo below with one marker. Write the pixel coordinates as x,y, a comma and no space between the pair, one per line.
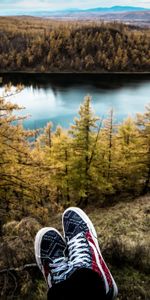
43,45
95,161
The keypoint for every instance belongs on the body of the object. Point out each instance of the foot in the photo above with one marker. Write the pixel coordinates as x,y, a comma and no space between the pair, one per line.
49,253
83,247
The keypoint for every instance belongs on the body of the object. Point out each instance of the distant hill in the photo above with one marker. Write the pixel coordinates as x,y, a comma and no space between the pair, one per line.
136,15
75,11
115,9
128,14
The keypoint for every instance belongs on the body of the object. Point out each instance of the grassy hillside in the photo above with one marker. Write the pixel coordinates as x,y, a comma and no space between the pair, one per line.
124,238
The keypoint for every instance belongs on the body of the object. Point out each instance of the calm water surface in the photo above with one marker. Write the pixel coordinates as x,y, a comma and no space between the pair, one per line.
57,98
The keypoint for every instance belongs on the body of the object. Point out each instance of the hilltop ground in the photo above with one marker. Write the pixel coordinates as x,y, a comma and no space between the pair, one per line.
124,238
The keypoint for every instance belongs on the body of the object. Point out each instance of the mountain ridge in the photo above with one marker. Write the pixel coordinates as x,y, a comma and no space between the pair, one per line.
117,8
101,10
74,11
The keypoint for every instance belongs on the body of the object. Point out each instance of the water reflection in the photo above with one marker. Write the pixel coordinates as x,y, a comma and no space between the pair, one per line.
59,100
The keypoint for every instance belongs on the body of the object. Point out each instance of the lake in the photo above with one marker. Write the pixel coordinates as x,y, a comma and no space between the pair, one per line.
57,97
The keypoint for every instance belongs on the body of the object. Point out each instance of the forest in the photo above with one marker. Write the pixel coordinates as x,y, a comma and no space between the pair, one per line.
44,45
95,164
95,161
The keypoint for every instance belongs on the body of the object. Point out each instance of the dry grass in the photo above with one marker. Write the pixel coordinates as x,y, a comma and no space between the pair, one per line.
123,232
127,224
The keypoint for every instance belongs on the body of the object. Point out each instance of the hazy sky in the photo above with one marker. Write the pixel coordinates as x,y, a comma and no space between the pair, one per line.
25,5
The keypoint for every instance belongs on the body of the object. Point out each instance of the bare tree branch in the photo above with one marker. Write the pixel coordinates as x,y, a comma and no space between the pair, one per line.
19,269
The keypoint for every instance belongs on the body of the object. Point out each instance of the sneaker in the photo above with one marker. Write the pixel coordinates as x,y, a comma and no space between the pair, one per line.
83,247
49,253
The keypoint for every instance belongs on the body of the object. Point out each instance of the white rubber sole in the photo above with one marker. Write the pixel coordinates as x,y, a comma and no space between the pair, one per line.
92,230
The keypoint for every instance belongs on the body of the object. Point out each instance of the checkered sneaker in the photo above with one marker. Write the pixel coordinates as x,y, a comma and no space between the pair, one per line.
49,253
83,247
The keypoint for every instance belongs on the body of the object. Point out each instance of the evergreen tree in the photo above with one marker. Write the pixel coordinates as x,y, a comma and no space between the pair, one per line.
60,158
128,157
105,172
14,153
143,123
82,144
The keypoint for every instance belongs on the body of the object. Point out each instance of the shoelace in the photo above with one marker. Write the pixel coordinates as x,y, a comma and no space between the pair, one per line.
78,255
78,251
60,268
